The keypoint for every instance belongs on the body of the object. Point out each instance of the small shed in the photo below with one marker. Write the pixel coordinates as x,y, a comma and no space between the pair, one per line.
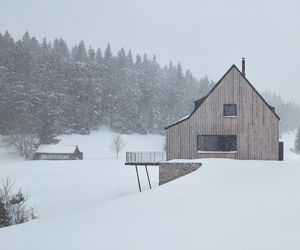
57,152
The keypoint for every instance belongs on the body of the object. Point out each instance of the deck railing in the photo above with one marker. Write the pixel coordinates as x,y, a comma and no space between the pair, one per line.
145,156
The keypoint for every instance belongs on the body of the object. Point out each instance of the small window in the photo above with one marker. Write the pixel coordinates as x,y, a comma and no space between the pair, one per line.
229,109
217,143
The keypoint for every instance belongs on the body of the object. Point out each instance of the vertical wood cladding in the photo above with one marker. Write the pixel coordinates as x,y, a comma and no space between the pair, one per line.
256,126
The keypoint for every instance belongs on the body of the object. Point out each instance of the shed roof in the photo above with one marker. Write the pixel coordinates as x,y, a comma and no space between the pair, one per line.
56,149
201,100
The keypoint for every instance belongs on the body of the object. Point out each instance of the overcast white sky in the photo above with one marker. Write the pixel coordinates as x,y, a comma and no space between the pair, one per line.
206,36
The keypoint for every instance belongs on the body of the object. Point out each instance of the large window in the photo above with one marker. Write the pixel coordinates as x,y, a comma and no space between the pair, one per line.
229,109
217,143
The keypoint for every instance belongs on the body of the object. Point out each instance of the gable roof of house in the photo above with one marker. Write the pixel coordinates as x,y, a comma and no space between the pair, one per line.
201,100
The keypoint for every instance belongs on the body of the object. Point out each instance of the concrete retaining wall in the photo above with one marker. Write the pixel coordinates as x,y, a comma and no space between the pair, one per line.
169,171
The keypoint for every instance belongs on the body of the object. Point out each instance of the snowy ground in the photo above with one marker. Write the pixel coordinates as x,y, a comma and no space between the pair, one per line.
95,203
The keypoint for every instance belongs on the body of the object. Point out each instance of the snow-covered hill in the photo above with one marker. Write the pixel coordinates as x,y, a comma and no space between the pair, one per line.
95,203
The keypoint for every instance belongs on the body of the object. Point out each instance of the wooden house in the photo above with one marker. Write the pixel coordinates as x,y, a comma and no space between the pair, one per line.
232,121
57,152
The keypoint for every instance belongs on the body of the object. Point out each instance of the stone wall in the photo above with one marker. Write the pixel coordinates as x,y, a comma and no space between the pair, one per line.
169,171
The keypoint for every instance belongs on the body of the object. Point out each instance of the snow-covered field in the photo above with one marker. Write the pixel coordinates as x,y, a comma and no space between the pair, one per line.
95,203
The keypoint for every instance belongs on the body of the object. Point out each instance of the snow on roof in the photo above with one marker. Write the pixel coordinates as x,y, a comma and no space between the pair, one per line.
183,118
58,149
180,120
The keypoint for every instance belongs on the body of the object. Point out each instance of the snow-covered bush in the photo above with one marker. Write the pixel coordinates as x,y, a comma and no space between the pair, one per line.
13,208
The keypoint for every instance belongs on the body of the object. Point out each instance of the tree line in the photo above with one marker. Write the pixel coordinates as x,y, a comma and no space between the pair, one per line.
47,89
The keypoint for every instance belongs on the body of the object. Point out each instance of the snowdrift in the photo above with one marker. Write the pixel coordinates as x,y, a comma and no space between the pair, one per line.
95,203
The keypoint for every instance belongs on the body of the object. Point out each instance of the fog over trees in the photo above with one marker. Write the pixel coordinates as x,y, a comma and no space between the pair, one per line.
289,112
47,89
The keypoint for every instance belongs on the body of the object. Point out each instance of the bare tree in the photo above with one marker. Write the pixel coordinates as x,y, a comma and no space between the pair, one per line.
23,142
117,145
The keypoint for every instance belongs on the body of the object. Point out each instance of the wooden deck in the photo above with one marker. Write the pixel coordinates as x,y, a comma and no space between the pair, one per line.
144,158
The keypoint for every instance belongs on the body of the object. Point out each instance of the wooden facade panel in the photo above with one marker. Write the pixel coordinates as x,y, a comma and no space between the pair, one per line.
256,126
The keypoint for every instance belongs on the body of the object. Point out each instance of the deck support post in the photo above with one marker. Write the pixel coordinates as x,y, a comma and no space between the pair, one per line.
138,178
148,176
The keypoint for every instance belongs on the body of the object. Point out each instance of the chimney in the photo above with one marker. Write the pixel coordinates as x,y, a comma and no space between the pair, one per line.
243,66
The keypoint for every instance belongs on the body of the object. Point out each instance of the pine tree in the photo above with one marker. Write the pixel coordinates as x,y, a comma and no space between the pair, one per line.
129,58
79,53
91,55
121,58
99,57
60,51
138,60
108,53
297,141
109,86
48,91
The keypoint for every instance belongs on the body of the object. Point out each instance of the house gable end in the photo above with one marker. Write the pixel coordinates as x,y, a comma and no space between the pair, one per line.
216,85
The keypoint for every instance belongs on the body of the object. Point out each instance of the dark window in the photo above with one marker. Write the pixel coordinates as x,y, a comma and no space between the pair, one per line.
218,143
229,109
